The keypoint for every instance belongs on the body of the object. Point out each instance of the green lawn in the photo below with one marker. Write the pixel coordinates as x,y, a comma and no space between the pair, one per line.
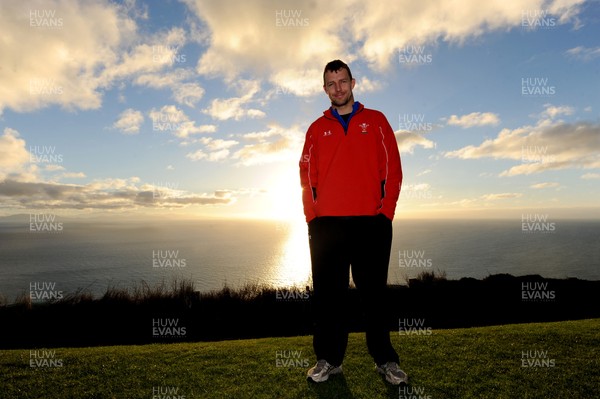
563,362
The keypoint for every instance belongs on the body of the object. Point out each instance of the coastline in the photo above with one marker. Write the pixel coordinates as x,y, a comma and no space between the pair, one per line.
179,313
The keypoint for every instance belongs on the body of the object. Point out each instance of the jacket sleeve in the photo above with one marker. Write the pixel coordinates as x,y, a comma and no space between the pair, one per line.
308,175
390,169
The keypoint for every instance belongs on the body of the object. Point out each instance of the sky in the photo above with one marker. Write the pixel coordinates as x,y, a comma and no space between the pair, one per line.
199,108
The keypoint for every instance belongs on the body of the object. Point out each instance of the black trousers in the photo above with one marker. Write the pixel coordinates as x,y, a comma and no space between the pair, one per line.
362,243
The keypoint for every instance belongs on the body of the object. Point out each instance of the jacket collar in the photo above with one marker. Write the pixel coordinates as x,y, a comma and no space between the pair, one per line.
332,113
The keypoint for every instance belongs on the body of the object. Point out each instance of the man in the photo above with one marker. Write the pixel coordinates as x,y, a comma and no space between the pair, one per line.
350,174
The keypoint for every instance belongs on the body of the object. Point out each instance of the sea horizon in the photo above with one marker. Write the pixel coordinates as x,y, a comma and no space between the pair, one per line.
75,255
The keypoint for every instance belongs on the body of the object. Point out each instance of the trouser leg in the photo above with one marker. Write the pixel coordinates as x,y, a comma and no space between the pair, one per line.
371,246
330,274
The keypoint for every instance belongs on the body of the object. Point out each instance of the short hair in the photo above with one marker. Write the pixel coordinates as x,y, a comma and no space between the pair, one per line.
334,66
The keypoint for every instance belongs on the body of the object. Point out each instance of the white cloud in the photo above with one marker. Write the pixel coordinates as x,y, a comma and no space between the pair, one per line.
171,119
275,144
22,188
500,196
53,168
422,192
13,154
197,155
218,149
407,141
96,45
545,185
302,83
61,65
584,53
115,194
233,108
129,121
188,94
590,176
474,119
366,85
244,36
552,111
548,145
159,51
217,144
15,159
71,175
162,79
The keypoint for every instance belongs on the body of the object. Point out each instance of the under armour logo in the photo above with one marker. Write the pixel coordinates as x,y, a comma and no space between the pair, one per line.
327,133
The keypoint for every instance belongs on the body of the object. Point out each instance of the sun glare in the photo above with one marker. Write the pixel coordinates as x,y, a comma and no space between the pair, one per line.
285,206
285,196
294,261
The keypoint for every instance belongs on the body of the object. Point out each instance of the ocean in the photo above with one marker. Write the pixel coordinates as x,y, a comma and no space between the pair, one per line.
95,255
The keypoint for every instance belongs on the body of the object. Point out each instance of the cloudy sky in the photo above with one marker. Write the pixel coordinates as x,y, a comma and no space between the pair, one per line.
199,107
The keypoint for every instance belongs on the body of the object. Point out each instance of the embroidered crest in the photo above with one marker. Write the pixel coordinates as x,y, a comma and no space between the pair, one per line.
363,128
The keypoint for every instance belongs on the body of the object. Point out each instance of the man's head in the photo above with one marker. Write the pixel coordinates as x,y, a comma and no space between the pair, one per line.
338,84
335,66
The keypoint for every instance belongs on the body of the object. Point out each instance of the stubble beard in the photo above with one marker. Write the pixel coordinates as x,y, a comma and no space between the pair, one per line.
342,103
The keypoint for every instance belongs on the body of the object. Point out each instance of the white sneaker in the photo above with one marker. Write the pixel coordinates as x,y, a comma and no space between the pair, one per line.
322,370
392,373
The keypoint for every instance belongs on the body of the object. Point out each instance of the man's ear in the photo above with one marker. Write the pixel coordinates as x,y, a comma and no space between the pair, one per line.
353,83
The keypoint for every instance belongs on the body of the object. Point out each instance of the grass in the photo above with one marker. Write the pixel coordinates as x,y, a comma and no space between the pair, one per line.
484,362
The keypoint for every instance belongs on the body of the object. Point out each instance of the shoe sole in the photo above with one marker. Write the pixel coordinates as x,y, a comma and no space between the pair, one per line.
336,371
382,373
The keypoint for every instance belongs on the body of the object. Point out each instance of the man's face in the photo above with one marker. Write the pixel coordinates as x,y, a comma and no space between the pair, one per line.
338,87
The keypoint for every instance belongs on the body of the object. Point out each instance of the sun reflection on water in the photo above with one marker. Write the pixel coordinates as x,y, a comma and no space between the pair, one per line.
294,259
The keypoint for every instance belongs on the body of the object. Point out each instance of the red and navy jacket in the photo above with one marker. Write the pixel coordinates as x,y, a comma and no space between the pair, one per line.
350,169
